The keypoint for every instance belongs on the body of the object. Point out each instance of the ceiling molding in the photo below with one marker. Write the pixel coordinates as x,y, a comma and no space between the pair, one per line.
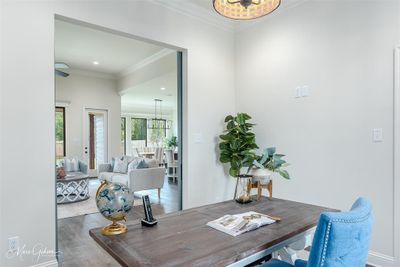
145,62
93,74
244,25
198,12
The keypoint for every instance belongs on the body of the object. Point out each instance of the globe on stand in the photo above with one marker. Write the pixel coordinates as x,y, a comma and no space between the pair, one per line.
114,201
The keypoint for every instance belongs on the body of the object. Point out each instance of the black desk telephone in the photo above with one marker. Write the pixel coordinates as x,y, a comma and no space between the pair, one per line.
148,220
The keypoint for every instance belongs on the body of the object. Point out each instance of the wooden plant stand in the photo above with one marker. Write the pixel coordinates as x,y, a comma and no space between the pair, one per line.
260,187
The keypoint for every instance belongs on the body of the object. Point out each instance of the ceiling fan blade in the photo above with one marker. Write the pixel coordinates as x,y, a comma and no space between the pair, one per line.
61,65
61,73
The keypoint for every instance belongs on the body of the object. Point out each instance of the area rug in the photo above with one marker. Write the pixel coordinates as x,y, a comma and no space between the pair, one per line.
87,206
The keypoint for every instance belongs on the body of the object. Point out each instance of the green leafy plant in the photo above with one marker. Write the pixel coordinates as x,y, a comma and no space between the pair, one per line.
272,161
171,142
237,143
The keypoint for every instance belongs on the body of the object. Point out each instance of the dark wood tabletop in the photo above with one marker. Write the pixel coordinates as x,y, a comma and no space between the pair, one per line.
183,238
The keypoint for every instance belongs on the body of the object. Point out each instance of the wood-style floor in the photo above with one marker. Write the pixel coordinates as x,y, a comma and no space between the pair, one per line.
77,248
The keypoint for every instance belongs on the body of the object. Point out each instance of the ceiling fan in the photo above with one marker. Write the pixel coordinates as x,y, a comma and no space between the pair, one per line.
58,66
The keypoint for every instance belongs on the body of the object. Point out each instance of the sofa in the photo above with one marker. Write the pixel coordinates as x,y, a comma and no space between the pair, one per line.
137,179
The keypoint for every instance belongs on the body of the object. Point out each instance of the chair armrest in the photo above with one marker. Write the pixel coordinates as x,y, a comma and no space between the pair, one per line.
144,179
83,167
104,167
300,263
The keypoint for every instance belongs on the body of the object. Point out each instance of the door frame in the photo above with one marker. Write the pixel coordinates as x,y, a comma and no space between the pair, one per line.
86,111
396,155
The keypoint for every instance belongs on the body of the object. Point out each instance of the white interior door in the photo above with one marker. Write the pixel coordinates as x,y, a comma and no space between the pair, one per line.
95,138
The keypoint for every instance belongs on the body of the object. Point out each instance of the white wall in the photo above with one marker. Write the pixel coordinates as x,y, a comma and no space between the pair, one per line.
82,92
27,194
343,50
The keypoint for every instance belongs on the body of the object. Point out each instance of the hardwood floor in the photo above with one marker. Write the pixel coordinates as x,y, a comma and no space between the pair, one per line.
77,248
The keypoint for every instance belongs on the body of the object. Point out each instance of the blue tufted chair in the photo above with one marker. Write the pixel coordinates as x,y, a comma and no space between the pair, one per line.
341,239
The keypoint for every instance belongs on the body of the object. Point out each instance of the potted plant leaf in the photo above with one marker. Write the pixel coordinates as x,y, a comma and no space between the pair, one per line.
171,143
268,163
237,145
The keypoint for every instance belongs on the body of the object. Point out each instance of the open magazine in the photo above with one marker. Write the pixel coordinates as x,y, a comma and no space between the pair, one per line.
240,223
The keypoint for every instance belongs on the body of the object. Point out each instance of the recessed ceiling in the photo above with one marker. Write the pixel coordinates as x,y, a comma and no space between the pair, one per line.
80,47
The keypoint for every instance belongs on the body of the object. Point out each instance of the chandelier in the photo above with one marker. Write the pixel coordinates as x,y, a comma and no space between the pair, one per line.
245,9
158,122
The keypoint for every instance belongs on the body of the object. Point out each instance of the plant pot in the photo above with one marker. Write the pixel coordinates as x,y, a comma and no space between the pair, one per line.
263,176
242,190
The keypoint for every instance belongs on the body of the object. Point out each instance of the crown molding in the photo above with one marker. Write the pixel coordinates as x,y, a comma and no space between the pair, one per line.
147,61
244,25
198,12
93,74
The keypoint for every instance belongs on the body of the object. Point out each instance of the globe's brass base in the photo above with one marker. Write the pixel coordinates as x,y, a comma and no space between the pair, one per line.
114,229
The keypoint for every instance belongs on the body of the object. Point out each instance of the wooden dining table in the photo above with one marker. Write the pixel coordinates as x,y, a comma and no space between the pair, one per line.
183,239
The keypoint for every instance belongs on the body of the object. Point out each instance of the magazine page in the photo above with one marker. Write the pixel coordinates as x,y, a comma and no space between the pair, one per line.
240,223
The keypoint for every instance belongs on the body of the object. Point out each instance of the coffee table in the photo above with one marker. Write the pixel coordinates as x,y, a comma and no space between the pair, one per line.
73,188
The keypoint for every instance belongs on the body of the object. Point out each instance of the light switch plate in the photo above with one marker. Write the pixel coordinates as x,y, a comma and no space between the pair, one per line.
305,91
377,135
198,138
297,92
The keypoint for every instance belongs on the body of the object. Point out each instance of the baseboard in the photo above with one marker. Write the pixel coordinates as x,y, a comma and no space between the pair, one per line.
381,260
51,263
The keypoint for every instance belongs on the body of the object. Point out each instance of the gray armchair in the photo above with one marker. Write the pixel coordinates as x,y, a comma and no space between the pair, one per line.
83,168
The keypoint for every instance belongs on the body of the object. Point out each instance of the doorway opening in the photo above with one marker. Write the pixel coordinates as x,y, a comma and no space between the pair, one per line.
96,139
121,102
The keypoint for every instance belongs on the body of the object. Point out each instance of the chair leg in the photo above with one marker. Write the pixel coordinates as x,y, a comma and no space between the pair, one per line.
159,193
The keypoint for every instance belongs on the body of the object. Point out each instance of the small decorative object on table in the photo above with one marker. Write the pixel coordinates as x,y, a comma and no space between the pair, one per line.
264,167
237,224
149,219
61,173
114,201
237,148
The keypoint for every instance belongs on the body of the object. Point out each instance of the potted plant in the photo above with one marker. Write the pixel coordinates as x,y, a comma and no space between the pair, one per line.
172,142
237,147
268,163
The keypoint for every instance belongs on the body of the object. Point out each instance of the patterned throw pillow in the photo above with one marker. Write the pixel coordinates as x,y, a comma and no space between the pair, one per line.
134,163
120,165
152,163
142,165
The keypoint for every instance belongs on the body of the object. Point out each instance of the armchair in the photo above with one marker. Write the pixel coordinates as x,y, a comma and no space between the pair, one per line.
135,179
82,168
341,239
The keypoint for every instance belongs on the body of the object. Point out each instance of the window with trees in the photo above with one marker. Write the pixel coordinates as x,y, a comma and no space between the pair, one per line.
60,133
123,135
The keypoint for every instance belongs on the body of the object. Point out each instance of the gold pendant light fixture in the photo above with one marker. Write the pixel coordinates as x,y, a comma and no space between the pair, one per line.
245,9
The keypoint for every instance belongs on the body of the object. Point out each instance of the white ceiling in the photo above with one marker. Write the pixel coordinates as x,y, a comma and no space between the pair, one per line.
80,46
140,99
119,57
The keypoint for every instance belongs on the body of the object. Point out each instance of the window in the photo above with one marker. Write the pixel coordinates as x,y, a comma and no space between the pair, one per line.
123,135
138,132
60,133
142,137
